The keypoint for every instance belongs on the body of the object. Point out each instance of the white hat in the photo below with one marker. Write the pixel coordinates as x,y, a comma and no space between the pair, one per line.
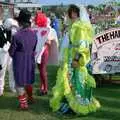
9,23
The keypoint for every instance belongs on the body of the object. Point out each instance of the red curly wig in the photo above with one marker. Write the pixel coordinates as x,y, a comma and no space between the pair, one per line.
41,19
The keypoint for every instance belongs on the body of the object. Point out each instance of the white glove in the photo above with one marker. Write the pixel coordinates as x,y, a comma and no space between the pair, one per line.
6,47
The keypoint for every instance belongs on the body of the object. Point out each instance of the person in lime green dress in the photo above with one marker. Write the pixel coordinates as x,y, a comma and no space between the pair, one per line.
74,85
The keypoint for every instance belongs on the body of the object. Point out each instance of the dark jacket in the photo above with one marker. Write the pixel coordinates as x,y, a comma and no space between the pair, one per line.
5,35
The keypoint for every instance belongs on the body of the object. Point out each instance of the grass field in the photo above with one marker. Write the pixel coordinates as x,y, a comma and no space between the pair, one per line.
109,97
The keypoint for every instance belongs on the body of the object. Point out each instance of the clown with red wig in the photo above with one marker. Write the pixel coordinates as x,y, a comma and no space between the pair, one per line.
46,49
42,50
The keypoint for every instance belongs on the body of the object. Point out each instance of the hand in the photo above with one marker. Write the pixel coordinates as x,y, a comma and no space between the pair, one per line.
68,76
6,47
75,64
48,42
71,86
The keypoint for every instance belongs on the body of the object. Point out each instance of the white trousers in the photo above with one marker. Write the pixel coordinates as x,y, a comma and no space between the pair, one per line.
7,66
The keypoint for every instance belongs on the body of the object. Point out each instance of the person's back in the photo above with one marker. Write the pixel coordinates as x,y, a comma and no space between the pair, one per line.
25,40
42,50
22,51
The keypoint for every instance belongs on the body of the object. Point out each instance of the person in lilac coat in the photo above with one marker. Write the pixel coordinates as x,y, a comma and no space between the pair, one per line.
22,51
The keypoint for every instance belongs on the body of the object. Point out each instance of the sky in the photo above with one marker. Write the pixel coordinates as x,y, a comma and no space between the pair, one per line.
54,2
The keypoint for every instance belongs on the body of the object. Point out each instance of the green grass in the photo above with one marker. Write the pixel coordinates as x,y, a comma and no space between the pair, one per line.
109,97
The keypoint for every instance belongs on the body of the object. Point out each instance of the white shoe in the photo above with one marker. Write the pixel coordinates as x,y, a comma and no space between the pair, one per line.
1,93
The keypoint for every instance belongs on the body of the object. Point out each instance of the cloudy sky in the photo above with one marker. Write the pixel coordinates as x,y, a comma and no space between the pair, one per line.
51,2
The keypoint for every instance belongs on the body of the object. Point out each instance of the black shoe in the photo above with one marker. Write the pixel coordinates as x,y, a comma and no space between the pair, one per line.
42,93
45,93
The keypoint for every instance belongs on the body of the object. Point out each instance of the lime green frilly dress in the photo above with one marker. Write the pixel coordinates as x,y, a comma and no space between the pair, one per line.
78,88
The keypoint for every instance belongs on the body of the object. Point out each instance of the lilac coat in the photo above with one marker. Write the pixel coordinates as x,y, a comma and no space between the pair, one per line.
22,51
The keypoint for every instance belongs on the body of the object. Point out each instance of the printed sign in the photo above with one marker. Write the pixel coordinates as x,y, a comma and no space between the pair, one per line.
106,52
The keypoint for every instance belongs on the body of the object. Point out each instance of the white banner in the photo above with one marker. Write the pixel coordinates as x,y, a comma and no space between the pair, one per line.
106,52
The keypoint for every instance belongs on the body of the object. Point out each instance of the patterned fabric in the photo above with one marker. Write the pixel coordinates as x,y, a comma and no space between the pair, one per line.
23,102
77,88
